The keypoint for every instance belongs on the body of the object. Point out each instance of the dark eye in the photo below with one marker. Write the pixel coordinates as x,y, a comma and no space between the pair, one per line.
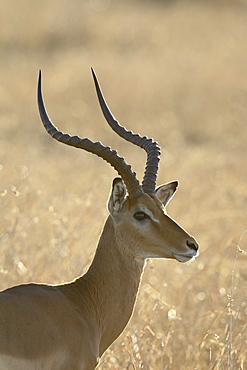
140,216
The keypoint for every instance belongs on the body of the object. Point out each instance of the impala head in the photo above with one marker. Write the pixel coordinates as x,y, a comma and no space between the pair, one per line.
142,227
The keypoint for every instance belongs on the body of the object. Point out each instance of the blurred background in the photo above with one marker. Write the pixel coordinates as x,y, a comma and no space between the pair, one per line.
172,70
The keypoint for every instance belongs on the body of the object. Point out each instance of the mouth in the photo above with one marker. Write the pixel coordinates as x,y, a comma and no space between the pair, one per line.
185,257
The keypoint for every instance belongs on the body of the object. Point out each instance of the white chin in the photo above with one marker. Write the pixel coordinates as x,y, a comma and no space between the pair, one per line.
184,258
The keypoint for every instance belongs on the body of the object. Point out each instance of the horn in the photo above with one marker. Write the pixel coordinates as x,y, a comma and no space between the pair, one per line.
106,153
151,147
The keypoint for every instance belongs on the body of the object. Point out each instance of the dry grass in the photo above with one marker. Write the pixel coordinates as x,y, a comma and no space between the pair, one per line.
174,71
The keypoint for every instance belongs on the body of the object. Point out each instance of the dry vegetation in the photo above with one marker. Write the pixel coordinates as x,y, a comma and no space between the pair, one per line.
173,71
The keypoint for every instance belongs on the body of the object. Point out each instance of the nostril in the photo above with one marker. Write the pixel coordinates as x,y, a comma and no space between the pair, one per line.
192,245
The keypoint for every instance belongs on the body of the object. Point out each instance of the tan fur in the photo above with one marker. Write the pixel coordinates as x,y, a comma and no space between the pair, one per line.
70,326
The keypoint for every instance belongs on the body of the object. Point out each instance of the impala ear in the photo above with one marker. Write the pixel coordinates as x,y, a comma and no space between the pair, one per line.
118,195
165,192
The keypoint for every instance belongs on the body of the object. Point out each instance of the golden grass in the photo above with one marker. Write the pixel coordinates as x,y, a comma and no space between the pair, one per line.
173,71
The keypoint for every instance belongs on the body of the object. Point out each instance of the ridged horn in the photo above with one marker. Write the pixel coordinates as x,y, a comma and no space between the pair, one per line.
151,147
106,153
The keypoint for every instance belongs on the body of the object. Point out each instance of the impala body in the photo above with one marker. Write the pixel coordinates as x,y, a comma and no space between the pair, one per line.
70,326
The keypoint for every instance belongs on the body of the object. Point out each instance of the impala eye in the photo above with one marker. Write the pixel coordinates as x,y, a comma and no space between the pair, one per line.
140,216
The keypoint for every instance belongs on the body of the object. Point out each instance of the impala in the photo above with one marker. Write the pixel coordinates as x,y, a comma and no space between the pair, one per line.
70,326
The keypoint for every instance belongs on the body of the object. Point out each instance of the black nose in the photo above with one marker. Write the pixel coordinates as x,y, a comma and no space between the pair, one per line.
192,245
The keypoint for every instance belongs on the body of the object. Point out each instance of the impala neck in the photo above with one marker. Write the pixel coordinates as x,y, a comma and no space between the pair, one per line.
113,279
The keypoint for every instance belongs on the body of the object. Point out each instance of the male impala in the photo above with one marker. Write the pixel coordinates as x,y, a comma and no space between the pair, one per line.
70,326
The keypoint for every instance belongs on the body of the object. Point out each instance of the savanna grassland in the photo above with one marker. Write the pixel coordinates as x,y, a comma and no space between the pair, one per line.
175,71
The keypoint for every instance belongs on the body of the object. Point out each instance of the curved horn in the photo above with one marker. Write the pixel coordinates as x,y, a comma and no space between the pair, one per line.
151,147
109,155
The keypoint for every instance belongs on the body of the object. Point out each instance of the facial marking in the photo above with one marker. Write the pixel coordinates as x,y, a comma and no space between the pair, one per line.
149,213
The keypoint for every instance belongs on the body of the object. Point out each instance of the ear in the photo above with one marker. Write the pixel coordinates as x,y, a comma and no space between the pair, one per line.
118,195
165,192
